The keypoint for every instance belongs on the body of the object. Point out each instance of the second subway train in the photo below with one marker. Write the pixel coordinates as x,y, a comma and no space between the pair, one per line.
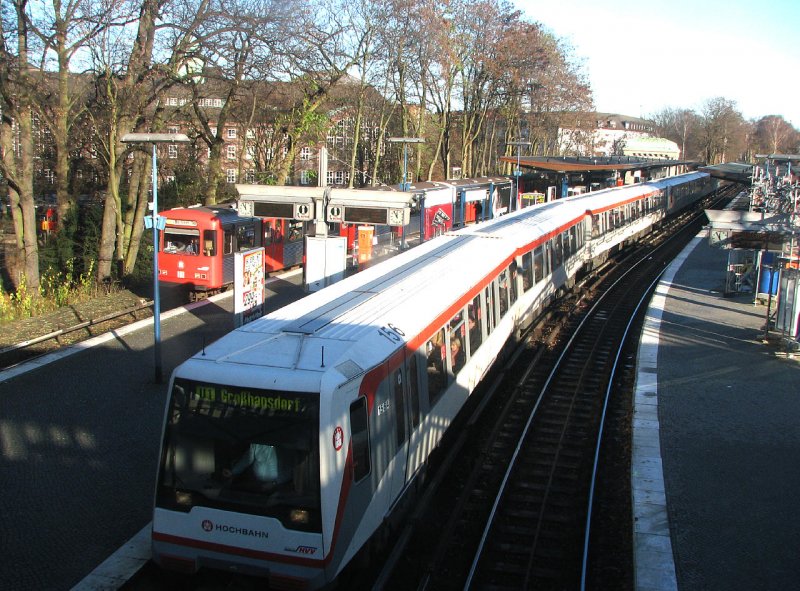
291,441
199,243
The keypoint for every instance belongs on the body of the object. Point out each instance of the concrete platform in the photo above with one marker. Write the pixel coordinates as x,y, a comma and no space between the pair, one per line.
716,464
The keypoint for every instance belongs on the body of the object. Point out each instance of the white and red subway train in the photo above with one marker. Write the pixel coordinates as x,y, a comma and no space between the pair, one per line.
291,441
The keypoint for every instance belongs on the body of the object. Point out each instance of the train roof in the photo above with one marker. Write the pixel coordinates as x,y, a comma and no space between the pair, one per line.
342,327
222,212
605,199
347,328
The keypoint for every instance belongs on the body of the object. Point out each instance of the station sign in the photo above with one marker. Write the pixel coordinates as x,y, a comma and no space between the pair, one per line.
389,216
326,204
369,206
289,211
267,201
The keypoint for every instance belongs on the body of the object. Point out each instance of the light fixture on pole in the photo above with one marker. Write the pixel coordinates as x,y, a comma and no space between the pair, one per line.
157,223
405,141
517,173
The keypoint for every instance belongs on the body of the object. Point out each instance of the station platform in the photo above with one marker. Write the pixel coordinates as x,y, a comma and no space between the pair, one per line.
716,438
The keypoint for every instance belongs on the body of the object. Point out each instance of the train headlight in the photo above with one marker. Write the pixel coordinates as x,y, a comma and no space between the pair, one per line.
183,498
299,516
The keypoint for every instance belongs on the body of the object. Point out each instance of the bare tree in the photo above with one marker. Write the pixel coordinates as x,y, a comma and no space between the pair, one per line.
63,29
775,135
678,125
723,130
314,59
236,43
16,137
126,86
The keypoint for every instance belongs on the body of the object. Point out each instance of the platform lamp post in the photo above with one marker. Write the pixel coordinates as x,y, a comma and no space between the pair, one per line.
518,144
157,223
405,141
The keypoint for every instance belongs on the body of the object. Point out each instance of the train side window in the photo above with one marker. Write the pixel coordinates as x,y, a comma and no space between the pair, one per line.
227,247
550,260
413,390
502,292
209,243
245,237
527,271
359,426
295,231
399,406
538,264
458,355
490,312
475,321
512,281
268,232
595,225
558,257
435,352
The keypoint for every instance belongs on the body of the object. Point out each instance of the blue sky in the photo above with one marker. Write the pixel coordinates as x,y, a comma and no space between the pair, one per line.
644,56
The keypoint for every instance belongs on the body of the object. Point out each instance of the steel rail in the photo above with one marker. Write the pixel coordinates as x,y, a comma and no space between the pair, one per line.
546,386
64,331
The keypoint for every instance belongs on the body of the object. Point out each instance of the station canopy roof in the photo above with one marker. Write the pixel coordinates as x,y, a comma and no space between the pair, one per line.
749,221
733,171
586,164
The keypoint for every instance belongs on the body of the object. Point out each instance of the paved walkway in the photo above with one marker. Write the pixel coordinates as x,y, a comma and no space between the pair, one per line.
716,439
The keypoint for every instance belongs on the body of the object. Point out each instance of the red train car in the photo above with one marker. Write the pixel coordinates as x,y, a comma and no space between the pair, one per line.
283,243
445,205
198,245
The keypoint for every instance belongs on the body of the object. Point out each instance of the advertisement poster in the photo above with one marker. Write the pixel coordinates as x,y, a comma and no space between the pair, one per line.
248,285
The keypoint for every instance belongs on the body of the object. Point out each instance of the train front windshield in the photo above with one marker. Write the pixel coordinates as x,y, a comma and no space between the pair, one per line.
242,449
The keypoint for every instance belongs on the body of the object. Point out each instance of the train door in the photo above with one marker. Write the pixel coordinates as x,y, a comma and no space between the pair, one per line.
414,410
458,210
273,243
293,246
490,308
399,401
228,248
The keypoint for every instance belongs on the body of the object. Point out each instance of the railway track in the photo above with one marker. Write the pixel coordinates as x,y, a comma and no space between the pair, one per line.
514,510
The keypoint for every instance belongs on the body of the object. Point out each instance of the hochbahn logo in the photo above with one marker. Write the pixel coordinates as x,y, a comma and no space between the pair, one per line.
208,526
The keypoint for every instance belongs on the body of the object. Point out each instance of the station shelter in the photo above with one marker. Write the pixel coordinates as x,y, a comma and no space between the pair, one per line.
545,178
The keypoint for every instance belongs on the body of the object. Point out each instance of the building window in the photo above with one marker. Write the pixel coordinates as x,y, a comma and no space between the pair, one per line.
231,175
232,152
173,151
231,133
305,153
172,130
173,101
331,178
305,177
218,103
214,131
250,134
